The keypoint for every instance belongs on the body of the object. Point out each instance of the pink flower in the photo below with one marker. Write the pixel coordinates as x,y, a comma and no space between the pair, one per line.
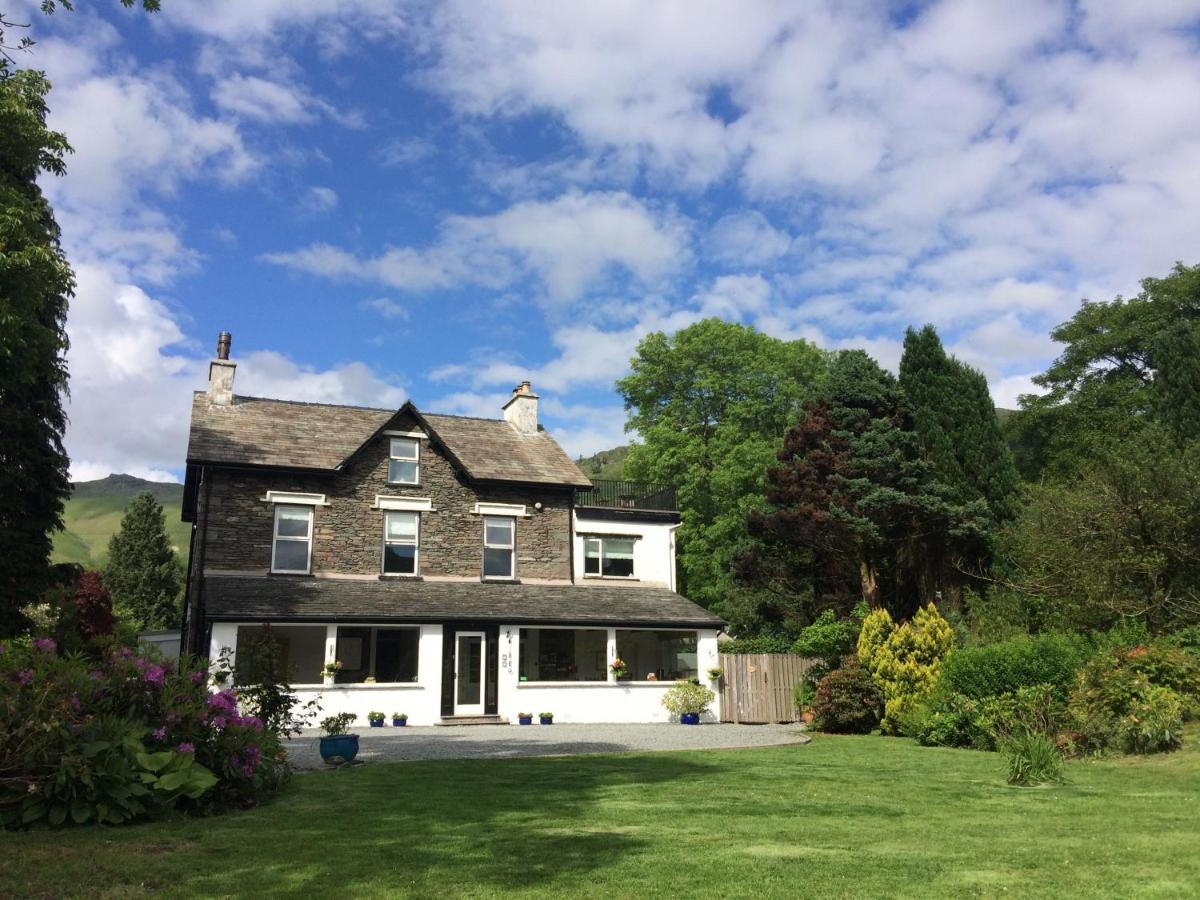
197,677
154,675
160,734
75,704
25,677
185,747
46,644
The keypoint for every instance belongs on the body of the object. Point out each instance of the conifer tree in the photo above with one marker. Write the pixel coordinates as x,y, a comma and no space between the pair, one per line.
956,422
1177,382
143,573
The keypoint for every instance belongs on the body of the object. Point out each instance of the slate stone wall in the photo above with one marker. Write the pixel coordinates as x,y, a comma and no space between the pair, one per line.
348,534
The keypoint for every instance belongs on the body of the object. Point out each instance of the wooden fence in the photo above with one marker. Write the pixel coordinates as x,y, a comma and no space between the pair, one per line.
757,687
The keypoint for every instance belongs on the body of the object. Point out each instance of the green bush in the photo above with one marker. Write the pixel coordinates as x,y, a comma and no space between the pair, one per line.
1032,759
956,720
950,720
1118,705
1186,639
904,660
847,701
981,672
688,697
762,644
110,735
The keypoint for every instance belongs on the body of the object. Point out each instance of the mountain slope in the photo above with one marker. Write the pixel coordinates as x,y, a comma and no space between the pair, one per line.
93,515
604,463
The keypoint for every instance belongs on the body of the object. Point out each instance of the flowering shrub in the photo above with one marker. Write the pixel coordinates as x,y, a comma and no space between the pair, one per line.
847,701
1117,703
111,734
905,661
688,697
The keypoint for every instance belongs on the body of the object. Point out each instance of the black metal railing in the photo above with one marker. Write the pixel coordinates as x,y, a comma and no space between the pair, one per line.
627,495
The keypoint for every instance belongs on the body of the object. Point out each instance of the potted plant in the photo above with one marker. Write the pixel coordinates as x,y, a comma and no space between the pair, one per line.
715,673
618,667
330,670
337,744
802,695
525,718
399,720
547,718
688,701
375,718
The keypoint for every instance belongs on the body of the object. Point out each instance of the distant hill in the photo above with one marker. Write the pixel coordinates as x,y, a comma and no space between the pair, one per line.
93,515
604,464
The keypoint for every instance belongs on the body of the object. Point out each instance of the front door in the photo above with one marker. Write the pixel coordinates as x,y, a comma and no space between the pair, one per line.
469,665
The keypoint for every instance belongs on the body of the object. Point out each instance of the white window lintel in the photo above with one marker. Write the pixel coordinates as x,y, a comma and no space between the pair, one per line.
500,509
297,499
404,504
420,435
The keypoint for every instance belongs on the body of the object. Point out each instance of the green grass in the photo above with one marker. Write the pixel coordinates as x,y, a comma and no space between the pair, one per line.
843,816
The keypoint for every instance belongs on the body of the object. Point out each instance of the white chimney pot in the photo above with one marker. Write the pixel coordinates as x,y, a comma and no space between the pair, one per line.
521,410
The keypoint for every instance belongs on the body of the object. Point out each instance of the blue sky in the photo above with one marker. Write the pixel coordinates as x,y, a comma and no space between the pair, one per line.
391,200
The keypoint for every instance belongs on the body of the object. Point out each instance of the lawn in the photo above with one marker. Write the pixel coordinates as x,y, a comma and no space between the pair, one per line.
843,816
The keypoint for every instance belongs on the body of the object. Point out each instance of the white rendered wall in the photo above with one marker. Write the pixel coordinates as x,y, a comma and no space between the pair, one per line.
597,701
422,700
653,553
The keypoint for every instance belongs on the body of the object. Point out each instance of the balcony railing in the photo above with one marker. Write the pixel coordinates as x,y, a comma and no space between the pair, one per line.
627,495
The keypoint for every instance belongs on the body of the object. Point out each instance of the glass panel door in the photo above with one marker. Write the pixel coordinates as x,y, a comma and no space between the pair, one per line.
468,673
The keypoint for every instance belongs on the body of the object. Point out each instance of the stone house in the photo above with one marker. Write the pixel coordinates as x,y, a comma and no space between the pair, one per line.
450,568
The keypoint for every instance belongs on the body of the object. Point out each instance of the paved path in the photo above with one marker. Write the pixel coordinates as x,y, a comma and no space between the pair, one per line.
501,741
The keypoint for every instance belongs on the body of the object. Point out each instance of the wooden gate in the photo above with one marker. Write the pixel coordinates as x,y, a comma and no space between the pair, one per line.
757,687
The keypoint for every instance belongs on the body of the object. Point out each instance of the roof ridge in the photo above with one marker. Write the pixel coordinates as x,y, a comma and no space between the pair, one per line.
440,415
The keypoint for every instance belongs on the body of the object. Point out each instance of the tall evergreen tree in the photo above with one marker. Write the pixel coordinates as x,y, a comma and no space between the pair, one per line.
143,573
35,284
854,508
956,422
1177,382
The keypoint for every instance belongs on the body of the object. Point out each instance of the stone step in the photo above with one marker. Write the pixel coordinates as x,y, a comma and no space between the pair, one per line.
473,720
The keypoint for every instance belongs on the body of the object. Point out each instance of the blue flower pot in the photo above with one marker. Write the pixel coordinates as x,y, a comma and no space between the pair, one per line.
689,718
341,748
399,723
525,720
546,721
377,723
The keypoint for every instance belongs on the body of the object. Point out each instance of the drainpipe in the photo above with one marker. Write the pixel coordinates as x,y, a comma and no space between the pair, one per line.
673,561
198,623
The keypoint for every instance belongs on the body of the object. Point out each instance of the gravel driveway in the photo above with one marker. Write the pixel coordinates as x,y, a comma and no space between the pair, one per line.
503,741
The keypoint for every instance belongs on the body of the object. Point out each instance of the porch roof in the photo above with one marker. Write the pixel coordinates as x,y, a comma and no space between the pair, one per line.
259,598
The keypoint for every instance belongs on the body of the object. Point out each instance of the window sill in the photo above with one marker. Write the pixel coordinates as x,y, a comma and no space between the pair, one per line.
486,579
555,685
389,686
291,574
397,576
611,577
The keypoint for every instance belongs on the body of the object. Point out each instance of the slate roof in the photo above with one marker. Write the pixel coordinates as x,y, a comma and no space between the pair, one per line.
286,434
241,598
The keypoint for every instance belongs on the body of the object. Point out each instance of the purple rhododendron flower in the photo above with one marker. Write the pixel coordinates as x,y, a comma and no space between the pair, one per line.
46,644
218,722
25,677
197,677
126,653
75,704
160,734
225,701
155,675
185,747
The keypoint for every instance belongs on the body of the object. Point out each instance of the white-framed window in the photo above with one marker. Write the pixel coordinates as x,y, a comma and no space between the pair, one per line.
401,542
499,546
291,550
404,461
563,654
610,557
389,655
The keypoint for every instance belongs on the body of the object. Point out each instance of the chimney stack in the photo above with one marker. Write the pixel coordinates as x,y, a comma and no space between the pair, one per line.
521,410
221,372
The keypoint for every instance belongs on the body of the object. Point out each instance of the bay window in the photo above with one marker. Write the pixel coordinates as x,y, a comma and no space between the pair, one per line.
564,654
389,655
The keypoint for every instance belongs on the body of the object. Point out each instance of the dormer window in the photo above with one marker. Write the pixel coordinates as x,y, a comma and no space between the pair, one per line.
404,461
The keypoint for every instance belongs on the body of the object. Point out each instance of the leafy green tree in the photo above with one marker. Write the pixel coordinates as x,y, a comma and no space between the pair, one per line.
956,421
1100,391
143,573
1118,541
1177,382
35,284
853,510
710,404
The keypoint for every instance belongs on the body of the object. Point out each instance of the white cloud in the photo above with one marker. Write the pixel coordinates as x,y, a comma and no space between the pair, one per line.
318,200
386,307
570,244
264,101
746,239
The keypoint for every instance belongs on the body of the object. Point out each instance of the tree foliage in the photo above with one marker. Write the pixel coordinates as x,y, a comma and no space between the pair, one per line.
905,660
143,572
709,404
853,509
955,419
35,284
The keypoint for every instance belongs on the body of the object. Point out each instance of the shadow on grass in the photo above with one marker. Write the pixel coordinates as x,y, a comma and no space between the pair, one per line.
482,825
